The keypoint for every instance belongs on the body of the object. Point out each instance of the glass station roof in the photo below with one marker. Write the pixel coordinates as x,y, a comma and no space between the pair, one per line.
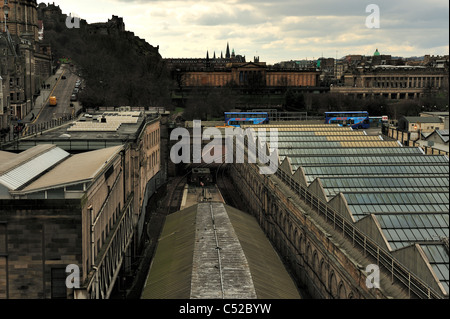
333,186
367,160
312,172
282,134
387,151
406,190
439,261
402,230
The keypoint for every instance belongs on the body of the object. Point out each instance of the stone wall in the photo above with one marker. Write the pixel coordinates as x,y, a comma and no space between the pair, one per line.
42,237
314,253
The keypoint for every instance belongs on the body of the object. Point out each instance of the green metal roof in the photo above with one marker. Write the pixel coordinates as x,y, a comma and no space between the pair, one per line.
170,273
270,278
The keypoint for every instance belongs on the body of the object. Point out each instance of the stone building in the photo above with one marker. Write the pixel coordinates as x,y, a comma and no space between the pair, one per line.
392,82
25,59
197,64
85,209
393,78
249,73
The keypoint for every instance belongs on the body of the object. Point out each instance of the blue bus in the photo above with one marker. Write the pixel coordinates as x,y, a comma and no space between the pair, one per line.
355,119
237,119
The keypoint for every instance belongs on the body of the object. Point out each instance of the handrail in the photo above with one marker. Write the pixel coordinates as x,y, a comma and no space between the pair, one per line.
383,257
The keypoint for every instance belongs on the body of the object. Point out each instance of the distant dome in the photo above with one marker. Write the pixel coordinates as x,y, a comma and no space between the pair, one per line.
376,52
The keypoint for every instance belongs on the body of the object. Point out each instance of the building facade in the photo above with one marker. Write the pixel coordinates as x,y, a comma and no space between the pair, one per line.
393,82
249,73
84,210
25,59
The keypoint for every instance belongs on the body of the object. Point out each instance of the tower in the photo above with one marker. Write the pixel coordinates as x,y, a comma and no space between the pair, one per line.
227,54
21,18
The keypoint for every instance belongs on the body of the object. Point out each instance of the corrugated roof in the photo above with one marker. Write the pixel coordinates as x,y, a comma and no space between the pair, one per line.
171,269
12,160
269,275
27,169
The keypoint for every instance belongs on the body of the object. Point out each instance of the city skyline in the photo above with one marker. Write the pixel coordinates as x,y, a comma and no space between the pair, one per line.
277,30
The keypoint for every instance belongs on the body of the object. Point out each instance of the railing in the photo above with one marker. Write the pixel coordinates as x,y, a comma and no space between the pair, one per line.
13,136
102,277
371,249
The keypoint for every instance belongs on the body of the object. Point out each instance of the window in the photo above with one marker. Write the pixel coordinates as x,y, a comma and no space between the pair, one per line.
2,238
58,283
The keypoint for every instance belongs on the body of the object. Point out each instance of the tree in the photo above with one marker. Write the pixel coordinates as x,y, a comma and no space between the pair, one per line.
118,69
294,101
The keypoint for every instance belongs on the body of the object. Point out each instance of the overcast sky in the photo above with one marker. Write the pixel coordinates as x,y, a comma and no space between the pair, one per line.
278,30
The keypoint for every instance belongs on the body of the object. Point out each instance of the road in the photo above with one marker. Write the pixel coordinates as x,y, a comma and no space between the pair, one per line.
62,89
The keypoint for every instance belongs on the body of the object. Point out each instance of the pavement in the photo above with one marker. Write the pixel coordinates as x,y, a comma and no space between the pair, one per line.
54,86
42,99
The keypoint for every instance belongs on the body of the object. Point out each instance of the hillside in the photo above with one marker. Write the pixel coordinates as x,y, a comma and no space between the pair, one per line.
119,68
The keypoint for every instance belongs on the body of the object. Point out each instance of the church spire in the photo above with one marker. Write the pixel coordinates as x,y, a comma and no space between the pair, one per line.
227,54
207,59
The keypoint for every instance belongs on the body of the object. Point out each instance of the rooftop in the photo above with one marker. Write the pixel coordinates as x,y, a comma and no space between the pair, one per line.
90,132
423,119
21,169
77,168
240,263
403,190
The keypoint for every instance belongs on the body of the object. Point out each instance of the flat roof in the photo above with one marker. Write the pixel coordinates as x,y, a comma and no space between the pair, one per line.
91,138
76,168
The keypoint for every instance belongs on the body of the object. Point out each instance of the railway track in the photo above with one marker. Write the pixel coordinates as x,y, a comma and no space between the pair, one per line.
227,188
175,195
